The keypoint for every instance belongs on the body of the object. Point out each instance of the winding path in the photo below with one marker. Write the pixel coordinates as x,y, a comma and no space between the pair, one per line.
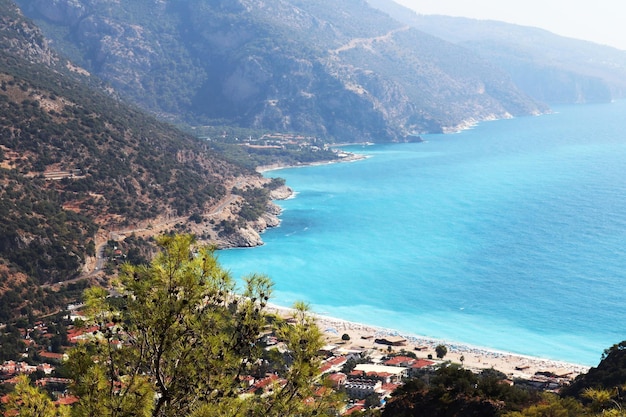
215,210
368,42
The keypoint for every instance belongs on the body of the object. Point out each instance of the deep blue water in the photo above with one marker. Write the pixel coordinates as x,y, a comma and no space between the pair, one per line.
509,236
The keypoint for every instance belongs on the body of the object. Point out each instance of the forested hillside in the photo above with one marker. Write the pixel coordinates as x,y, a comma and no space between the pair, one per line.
76,164
341,71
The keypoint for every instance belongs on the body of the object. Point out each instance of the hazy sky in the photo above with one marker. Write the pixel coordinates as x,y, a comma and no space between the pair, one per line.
601,21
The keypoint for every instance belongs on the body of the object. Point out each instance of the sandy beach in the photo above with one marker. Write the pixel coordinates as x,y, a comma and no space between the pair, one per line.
363,336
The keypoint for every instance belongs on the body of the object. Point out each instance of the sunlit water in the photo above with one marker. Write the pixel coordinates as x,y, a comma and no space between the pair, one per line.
509,236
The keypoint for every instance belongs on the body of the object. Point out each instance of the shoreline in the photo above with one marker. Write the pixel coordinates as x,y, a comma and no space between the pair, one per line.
362,336
350,157
476,358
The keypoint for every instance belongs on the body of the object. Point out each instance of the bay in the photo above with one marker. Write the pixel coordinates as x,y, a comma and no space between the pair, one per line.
508,236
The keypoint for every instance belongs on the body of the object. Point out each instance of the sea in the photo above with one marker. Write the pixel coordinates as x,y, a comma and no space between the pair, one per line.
509,236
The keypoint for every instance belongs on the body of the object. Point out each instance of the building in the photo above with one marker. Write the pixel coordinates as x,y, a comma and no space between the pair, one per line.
362,388
386,374
338,379
333,364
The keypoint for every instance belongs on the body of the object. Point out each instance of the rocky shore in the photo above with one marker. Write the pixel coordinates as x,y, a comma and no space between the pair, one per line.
250,235
207,227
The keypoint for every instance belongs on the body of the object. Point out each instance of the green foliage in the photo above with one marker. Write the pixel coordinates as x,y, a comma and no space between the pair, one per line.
609,374
551,405
27,299
255,157
453,391
441,351
11,344
28,401
182,333
255,202
120,166
351,363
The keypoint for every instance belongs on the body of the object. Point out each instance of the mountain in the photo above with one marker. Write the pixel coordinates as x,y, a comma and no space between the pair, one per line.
337,70
78,167
550,68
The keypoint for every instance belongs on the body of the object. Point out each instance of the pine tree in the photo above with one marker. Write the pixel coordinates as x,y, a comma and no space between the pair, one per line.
29,401
180,340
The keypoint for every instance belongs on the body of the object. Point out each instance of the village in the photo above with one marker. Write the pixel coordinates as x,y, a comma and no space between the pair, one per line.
366,366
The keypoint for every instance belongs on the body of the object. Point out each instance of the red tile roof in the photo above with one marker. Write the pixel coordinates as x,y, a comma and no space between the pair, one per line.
421,363
67,400
51,355
333,362
336,377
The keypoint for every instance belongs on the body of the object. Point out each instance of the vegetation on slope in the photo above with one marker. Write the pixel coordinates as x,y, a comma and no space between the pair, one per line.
76,163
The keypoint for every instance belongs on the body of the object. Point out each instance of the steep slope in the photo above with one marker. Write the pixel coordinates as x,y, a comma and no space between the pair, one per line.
335,70
548,67
76,164
610,374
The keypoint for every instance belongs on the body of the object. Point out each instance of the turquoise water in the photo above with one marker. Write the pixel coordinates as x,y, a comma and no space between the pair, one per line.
508,236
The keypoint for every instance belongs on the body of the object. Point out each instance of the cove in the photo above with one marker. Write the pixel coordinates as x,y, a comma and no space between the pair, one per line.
508,236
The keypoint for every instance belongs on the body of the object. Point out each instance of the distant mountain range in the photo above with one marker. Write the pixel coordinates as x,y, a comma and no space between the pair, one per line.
550,68
340,70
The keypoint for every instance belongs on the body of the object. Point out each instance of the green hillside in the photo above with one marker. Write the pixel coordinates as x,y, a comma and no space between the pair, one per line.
77,164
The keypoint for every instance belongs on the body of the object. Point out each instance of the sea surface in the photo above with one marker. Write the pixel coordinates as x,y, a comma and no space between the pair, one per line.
509,236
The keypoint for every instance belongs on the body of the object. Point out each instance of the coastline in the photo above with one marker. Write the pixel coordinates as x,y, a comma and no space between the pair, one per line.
475,358
349,157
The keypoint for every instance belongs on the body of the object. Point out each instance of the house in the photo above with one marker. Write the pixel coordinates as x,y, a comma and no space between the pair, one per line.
46,368
388,389
327,350
352,353
266,384
66,400
386,374
333,364
77,334
358,406
337,379
15,368
361,388
403,361
418,365
59,357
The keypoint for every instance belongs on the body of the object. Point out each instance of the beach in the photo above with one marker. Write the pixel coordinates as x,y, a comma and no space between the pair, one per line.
363,337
